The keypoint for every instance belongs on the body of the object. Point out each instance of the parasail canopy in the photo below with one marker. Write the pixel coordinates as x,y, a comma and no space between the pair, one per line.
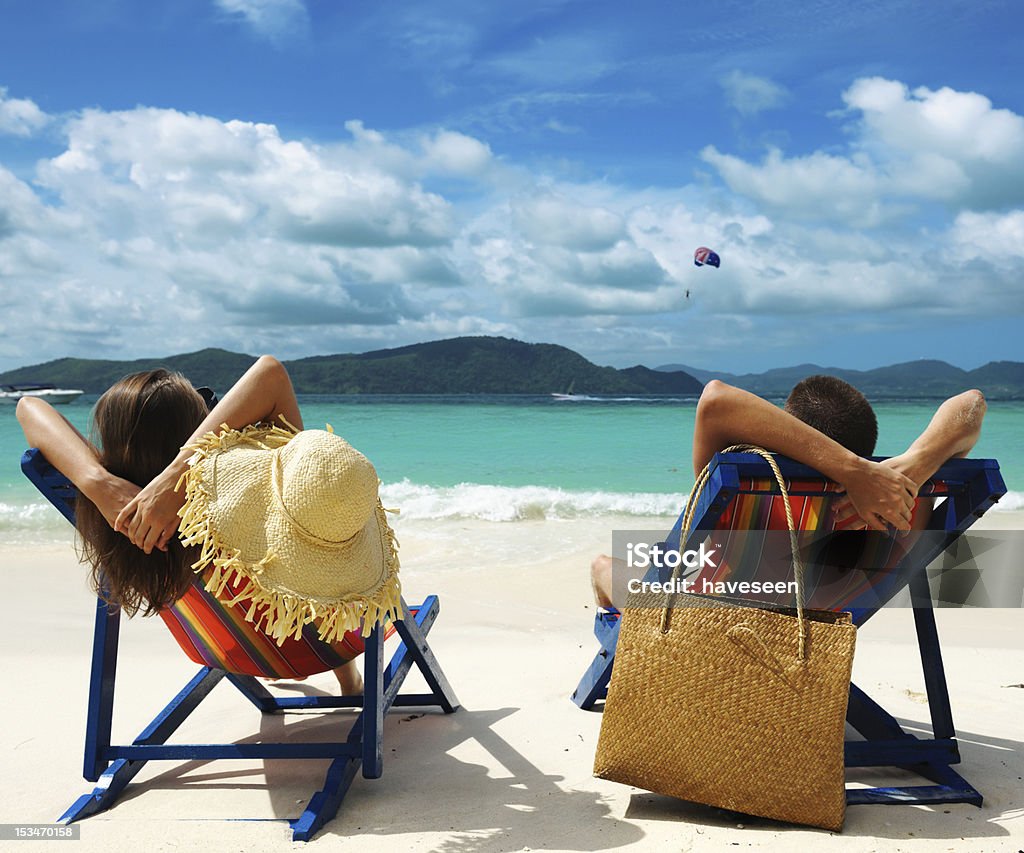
704,255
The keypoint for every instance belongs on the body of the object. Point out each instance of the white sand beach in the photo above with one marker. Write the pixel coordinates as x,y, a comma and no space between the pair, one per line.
509,771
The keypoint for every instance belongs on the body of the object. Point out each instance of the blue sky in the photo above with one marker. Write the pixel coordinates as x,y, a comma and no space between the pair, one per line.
302,177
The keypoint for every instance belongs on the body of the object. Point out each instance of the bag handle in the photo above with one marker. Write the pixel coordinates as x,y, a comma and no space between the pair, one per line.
798,566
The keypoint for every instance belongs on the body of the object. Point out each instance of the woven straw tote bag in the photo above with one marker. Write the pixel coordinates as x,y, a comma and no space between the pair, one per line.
729,703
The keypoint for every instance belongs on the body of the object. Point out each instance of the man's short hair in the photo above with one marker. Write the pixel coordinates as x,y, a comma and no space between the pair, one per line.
837,409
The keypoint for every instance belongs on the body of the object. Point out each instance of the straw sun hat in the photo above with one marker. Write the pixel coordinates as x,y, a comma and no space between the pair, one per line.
293,518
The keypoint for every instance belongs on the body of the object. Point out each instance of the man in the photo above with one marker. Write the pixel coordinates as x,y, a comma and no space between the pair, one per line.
829,425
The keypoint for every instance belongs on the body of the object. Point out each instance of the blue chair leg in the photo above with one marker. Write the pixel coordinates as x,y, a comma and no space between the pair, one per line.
116,777
888,744
413,631
931,658
325,803
372,718
594,684
100,710
381,686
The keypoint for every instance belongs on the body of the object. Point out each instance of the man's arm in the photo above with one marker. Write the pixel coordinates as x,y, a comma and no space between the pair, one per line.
728,415
954,429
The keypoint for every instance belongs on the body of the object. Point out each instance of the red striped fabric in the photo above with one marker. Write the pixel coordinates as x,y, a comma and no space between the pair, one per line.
745,553
216,633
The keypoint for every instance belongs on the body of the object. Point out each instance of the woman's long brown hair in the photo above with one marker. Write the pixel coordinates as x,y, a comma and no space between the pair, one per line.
140,424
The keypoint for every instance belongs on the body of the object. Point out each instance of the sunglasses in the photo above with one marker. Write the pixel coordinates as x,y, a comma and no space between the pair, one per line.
209,396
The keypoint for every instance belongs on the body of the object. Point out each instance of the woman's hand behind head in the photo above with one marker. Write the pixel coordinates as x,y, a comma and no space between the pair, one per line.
112,496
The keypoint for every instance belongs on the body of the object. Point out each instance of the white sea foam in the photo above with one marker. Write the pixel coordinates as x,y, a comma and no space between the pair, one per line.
25,516
40,523
521,503
32,524
1010,502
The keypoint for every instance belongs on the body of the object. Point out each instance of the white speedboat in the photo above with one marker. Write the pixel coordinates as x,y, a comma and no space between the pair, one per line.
569,393
56,396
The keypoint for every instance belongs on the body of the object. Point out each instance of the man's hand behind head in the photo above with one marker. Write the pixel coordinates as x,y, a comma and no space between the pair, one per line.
880,494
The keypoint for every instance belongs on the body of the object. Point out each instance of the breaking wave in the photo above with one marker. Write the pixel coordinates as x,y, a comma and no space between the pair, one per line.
521,503
39,523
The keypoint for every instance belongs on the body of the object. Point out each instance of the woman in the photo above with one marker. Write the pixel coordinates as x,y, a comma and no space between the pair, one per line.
127,514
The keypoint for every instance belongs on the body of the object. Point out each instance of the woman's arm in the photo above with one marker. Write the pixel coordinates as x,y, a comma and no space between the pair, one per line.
727,415
264,393
71,454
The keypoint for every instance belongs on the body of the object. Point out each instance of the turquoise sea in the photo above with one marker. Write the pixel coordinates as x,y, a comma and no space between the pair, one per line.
510,458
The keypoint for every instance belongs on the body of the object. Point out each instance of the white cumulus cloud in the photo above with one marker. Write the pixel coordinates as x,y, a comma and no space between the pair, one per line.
20,116
908,148
815,186
156,231
547,218
456,153
960,141
174,217
994,238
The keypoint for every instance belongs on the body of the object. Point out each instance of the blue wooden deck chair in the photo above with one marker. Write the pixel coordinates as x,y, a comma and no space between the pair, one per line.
739,495
227,647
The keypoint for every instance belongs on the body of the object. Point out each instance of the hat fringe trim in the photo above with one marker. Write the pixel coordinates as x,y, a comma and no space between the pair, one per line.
278,614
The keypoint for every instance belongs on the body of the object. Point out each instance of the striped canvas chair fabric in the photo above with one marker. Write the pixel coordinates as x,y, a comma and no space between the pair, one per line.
214,632
752,545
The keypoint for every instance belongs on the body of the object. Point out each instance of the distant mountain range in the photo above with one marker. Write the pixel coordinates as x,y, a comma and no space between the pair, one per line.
925,378
492,365
468,365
